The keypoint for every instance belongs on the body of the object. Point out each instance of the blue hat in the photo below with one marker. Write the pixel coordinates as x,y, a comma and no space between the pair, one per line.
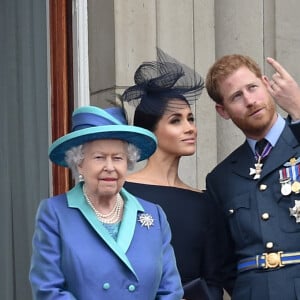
91,123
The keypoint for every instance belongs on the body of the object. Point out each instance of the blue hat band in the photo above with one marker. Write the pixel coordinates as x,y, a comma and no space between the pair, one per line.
86,119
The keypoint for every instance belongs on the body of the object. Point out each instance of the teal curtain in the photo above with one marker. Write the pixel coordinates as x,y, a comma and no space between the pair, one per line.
24,167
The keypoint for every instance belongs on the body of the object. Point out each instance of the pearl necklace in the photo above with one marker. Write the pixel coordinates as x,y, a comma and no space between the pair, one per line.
113,216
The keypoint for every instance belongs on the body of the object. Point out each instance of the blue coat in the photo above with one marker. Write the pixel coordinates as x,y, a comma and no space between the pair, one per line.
74,256
258,218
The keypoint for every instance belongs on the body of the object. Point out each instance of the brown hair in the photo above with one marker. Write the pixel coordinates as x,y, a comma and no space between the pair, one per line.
224,67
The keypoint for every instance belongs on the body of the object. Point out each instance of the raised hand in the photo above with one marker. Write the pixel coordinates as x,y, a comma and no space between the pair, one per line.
285,90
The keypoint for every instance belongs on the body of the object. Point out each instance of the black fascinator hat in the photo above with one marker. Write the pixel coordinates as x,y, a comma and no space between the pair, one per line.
156,82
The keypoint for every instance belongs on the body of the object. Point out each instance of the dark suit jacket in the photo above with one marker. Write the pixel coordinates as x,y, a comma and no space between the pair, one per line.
243,201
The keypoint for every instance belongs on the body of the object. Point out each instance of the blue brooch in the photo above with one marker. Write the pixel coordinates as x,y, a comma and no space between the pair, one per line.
146,220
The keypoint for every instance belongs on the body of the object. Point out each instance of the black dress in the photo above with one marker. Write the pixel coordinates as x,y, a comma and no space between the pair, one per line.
194,236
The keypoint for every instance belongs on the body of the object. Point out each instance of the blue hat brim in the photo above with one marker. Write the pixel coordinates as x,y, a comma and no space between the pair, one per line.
142,138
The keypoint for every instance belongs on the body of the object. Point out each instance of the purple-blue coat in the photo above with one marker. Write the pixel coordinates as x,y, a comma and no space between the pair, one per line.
74,256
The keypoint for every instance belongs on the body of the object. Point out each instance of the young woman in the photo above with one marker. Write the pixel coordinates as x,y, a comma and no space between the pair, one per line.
165,89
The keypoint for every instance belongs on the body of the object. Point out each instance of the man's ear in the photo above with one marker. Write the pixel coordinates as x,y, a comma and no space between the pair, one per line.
266,81
222,111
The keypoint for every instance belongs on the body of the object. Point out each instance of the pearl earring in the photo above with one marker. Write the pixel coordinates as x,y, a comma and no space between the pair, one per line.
80,178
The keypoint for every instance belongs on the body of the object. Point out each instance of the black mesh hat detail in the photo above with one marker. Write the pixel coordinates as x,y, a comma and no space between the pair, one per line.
159,81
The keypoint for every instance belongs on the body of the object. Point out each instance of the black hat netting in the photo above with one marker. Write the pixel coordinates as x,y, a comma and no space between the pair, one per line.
162,80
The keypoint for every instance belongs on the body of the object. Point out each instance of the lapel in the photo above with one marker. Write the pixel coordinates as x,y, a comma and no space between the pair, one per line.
243,158
284,150
76,199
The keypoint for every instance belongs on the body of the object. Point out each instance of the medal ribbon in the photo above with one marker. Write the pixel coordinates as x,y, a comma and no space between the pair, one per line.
295,172
267,149
283,174
291,172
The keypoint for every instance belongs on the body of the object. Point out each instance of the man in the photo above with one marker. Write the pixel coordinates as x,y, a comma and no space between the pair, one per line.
259,190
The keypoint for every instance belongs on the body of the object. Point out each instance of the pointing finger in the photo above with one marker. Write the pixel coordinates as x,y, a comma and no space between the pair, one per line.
278,68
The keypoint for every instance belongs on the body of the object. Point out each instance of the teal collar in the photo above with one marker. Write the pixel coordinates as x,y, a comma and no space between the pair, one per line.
132,206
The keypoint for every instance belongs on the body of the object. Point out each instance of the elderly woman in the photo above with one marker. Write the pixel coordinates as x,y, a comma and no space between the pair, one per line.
97,241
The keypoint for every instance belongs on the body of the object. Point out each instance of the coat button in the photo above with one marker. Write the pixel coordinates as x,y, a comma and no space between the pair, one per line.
106,286
265,216
269,245
131,288
263,187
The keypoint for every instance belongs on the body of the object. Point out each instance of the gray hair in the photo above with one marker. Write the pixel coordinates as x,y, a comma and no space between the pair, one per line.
75,155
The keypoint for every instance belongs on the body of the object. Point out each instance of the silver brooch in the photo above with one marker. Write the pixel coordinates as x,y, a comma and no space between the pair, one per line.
295,211
146,220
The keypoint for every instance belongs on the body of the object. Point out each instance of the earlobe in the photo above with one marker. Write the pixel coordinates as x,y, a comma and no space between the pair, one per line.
222,111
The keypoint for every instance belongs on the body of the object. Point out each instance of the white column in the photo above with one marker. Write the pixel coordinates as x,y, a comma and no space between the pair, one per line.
80,53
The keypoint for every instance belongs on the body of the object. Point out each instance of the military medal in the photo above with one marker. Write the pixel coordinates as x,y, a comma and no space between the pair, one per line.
256,172
295,211
296,187
290,171
286,187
